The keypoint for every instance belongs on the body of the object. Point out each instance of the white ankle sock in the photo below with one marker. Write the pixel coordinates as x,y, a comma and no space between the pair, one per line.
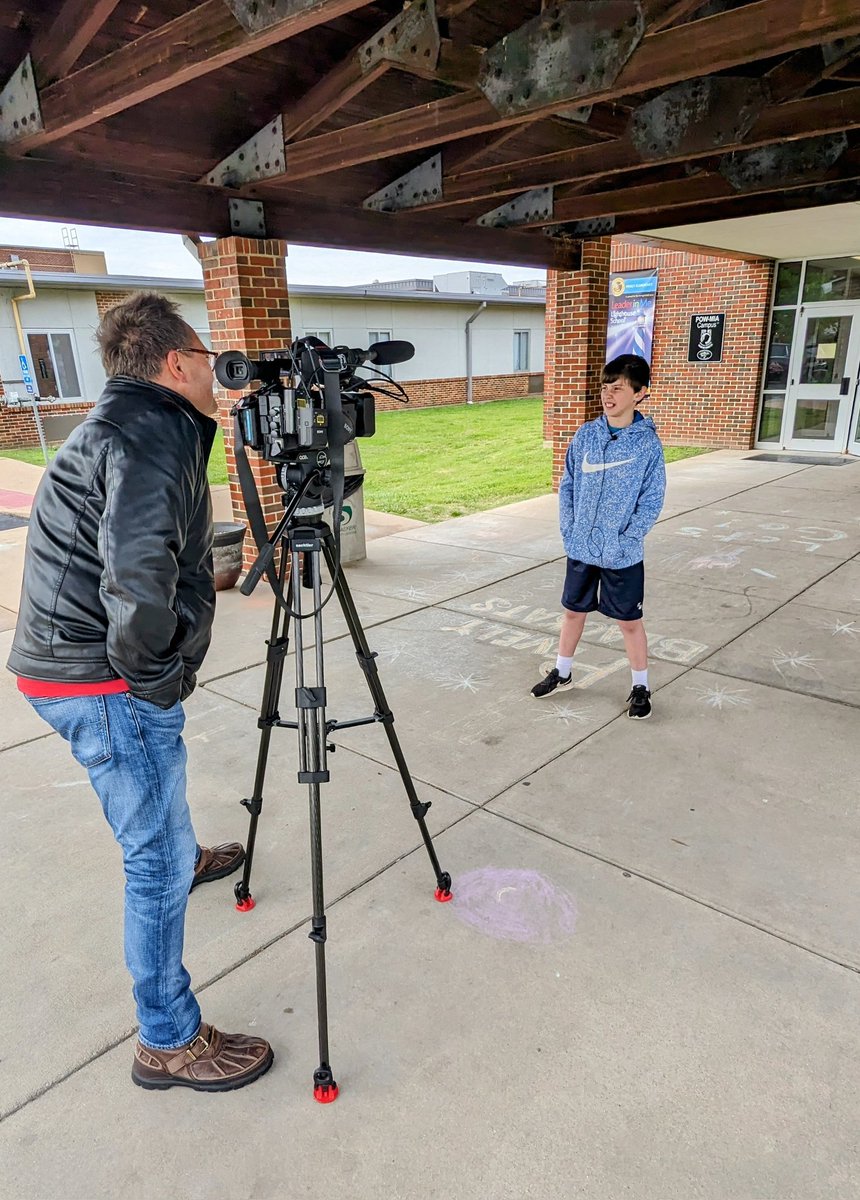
562,665
640,678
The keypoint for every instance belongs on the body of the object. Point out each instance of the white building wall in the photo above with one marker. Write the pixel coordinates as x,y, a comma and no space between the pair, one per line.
73,311
436,329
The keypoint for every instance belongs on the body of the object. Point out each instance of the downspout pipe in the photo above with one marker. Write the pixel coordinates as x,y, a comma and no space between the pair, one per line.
30,294
469,382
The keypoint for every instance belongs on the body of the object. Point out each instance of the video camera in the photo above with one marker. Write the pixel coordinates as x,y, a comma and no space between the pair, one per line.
310,398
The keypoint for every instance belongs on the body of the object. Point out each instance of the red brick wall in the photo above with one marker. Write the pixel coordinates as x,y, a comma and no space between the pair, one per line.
17,427
697,404
40,259
432,393
249,309
107,300
577,311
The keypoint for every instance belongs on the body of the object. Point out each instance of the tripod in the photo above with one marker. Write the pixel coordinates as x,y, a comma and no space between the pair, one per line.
303,537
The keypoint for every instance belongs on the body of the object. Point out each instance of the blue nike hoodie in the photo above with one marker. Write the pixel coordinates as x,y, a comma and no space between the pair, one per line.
611,492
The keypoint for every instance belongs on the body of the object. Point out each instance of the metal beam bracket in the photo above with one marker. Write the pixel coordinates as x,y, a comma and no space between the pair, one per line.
782,163
418,186
411,39
20,114
595,227
256,15
696,115
247,218
261,156
532,206
568,51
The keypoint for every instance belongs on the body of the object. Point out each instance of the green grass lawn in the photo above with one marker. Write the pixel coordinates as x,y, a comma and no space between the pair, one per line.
434,463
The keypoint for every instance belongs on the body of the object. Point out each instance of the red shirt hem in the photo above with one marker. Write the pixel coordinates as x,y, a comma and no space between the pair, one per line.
43,689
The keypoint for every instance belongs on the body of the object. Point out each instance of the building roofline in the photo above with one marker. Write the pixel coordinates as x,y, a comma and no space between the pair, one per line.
113,283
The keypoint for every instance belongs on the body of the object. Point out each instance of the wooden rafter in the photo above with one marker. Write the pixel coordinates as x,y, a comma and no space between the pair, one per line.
705,188
197,43
56,51
800,72
453,8
719,43
818,196
341,84
808,117
661,13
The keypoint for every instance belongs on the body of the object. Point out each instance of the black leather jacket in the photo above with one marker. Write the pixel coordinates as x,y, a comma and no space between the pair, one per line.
118,578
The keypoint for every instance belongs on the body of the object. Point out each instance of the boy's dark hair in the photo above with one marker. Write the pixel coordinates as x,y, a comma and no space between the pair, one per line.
631,367
136,336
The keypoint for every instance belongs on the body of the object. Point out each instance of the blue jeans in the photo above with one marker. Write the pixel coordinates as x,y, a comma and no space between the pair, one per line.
135,757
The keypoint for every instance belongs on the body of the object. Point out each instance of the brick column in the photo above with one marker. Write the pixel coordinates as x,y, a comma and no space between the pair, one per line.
245,283
577,308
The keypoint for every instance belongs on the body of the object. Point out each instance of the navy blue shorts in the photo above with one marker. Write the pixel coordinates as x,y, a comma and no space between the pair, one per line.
616,594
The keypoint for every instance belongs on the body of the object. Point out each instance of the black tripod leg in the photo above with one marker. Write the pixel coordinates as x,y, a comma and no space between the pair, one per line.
278,645
367,662
310,708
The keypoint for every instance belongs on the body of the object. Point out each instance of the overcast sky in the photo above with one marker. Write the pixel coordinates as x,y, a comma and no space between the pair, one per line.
163,254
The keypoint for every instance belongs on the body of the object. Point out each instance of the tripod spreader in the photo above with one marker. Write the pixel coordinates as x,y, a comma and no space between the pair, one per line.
309,537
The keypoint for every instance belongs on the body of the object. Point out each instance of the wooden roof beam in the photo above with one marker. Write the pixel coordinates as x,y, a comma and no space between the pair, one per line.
202,40
809,117
717,43
788,165
730,208
47,190
55,51
803,70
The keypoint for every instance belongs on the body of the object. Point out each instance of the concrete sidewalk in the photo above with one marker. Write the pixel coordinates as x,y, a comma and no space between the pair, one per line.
647,983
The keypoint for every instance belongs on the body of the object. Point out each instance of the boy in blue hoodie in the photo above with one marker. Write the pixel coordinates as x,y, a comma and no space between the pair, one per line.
610,495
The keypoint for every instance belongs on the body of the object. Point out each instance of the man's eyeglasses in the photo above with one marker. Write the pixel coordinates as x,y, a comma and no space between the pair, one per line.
210,354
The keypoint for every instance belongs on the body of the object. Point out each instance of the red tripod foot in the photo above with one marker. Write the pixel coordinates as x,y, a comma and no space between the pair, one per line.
246,905
325,1088
443,896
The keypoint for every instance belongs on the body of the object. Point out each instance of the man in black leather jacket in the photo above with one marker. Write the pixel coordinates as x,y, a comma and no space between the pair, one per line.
115,620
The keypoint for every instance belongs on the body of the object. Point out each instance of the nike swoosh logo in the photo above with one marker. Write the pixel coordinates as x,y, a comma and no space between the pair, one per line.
589,468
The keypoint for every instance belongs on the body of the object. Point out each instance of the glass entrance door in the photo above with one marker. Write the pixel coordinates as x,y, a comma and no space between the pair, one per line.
854,438
824,374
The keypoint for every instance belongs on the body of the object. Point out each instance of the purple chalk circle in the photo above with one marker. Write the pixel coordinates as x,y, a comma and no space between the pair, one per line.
514,905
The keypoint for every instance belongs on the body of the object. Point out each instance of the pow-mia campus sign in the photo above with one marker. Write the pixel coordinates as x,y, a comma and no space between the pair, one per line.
706,338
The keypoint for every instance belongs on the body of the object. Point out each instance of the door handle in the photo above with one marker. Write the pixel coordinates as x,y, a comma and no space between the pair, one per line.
846,383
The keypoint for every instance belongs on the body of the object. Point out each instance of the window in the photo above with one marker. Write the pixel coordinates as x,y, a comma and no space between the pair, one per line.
381,335
521,349
55,371
832,279
324,335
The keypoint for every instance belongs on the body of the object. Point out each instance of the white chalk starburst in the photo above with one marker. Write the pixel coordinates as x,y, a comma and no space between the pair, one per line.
414,593
794,661
719,562
462,683
721,697
566,713
849,628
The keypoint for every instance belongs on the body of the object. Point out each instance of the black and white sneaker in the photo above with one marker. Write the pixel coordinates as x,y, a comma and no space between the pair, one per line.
639,702
551,682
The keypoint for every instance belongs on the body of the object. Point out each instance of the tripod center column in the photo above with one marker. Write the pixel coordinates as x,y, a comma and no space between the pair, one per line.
245,283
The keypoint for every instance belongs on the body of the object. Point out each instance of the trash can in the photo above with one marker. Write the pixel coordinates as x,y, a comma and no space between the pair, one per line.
353,547
227,553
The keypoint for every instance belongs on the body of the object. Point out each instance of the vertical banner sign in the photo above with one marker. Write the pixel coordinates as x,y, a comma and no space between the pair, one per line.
632,298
